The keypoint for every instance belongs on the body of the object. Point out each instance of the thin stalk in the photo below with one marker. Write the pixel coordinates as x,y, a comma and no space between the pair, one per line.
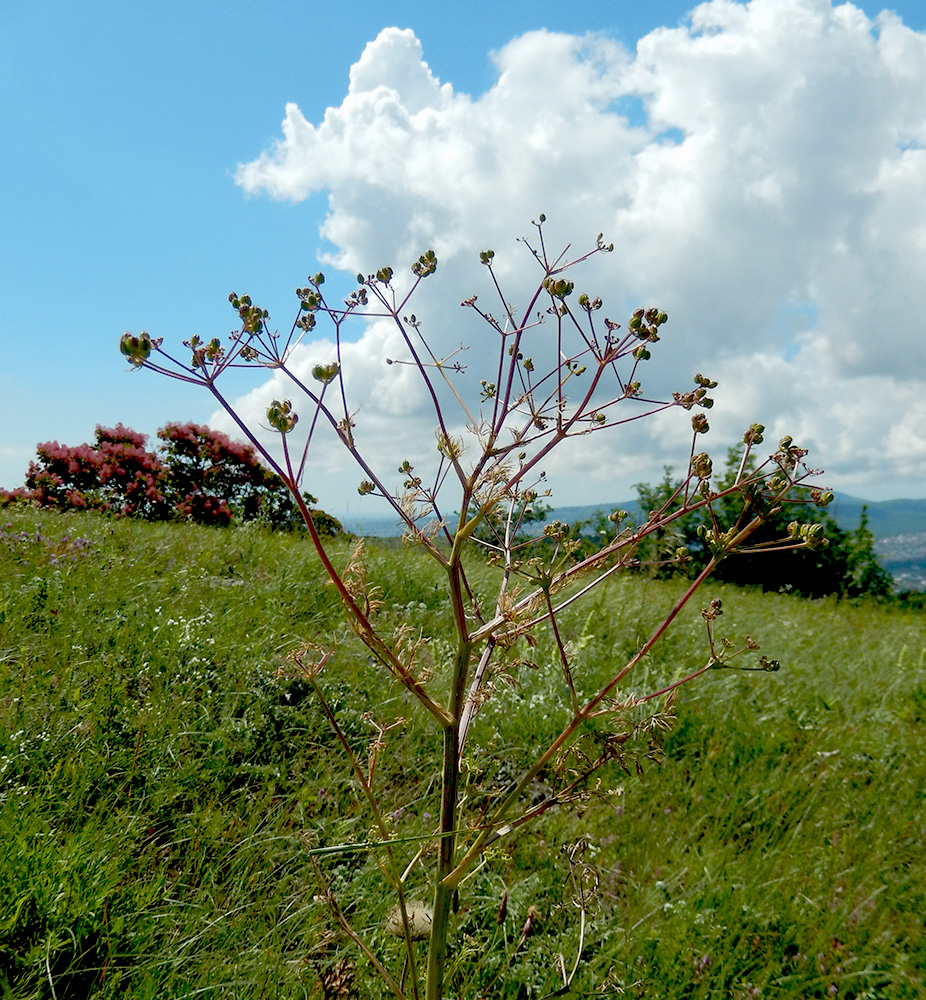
355,937
564,659
478,678
393,872
367,469
368,634
450,782
443,894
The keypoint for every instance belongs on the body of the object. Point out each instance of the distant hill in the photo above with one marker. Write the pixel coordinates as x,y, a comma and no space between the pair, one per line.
899,526
886,518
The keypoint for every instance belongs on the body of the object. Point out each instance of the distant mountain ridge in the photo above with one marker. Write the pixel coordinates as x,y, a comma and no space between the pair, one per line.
886,518
899,527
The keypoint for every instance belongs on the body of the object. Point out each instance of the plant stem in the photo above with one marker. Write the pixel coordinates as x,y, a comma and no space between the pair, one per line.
443,894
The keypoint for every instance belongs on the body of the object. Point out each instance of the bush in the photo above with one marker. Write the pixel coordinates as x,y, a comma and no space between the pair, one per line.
846,565
115,473
197,474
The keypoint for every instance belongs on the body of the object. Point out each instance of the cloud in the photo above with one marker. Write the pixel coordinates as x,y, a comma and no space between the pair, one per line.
771,196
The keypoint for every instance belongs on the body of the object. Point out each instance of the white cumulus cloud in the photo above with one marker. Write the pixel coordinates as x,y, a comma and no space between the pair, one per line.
761,171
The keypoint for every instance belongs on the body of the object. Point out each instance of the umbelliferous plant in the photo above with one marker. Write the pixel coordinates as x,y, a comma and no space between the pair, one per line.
562,370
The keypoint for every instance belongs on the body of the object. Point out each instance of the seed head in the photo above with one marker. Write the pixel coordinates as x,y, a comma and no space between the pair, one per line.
699,424
137,349
281,417
326,373
701,465
754,434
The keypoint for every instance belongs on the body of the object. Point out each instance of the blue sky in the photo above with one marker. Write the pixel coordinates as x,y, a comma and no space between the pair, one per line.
124,208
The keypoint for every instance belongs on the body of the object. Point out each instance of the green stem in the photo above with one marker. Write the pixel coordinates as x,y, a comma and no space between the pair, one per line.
564,659
450,786
443,894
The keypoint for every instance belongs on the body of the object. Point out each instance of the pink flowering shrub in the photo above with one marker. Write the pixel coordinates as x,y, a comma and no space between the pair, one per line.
197,474
211,474
116,473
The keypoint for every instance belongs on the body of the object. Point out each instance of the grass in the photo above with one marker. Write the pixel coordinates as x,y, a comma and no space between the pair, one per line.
164,775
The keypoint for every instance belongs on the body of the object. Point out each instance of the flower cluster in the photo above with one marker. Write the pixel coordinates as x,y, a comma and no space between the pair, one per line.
38,547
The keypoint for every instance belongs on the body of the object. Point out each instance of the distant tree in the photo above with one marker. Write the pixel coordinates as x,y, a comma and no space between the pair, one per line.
866,574
660,550
197,474
211,477
847,566
114,473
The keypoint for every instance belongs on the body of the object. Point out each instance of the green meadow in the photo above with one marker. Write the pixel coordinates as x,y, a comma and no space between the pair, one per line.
174,806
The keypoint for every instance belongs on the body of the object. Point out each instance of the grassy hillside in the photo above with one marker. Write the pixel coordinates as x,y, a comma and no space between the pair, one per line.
164,775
